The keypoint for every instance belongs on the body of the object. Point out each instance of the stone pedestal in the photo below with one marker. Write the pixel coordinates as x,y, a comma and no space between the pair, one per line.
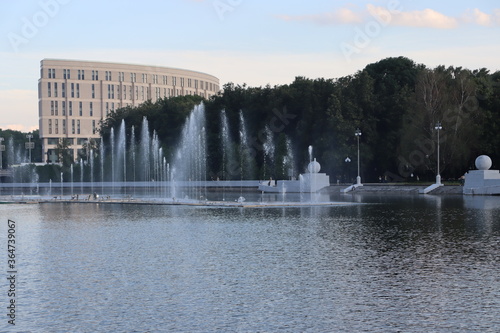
311,181
482,181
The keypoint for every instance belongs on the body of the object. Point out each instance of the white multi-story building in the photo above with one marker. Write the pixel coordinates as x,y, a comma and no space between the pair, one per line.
74,96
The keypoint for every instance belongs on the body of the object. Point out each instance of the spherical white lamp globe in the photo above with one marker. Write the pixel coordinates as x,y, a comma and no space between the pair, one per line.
483,162
314,167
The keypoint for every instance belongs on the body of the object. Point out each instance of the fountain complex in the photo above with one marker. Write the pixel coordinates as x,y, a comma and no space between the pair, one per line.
123,165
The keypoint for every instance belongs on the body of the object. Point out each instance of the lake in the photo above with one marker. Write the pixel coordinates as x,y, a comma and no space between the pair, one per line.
379,263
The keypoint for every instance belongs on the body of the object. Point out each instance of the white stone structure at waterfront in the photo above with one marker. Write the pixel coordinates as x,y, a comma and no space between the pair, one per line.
482,181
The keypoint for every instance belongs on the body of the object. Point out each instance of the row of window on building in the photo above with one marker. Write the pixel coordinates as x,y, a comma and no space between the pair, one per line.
71,141
183,82
53,125
52,90
67,108
121,91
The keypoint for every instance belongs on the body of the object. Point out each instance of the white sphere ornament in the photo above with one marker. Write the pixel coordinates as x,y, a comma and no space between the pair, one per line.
483,162
314,167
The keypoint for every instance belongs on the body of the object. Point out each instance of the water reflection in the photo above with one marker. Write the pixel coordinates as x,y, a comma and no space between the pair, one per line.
391,263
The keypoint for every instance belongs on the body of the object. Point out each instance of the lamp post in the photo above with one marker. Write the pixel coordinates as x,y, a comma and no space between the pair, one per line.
438,127
358,134
2,149
29,145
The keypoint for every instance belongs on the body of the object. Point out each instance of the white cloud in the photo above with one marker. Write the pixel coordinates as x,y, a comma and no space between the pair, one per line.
340,16
476,16
496,16
426,18
19,127
481,18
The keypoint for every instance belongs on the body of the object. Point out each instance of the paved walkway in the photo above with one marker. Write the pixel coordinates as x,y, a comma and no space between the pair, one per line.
394,188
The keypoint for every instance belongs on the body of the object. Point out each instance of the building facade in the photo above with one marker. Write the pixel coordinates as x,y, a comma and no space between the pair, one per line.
74,96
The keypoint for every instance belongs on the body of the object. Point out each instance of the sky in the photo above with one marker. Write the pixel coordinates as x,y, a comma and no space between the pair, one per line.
241,41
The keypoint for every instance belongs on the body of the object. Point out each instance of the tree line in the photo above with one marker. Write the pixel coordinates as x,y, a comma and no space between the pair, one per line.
395,103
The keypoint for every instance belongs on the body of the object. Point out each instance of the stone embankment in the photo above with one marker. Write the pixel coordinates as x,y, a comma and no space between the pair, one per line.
398,189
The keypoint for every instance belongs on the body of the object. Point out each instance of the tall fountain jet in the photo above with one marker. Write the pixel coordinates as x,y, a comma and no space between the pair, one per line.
121,156
145,147
228,159
101,155
227,152
246,167
189,165
269,150
289,161
113,169
132,151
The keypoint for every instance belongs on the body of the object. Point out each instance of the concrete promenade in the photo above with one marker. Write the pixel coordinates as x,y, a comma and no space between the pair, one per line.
397,189
247,186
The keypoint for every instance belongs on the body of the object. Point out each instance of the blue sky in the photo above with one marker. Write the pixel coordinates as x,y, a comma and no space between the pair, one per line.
255,42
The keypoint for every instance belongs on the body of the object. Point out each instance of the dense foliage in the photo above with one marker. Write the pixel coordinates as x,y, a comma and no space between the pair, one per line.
394,102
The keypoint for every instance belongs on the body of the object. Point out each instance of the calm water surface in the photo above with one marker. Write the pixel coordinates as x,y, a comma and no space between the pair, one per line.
387,264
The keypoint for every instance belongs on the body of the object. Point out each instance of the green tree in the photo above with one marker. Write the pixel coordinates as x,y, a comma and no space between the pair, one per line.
64,153
488,98
394,102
